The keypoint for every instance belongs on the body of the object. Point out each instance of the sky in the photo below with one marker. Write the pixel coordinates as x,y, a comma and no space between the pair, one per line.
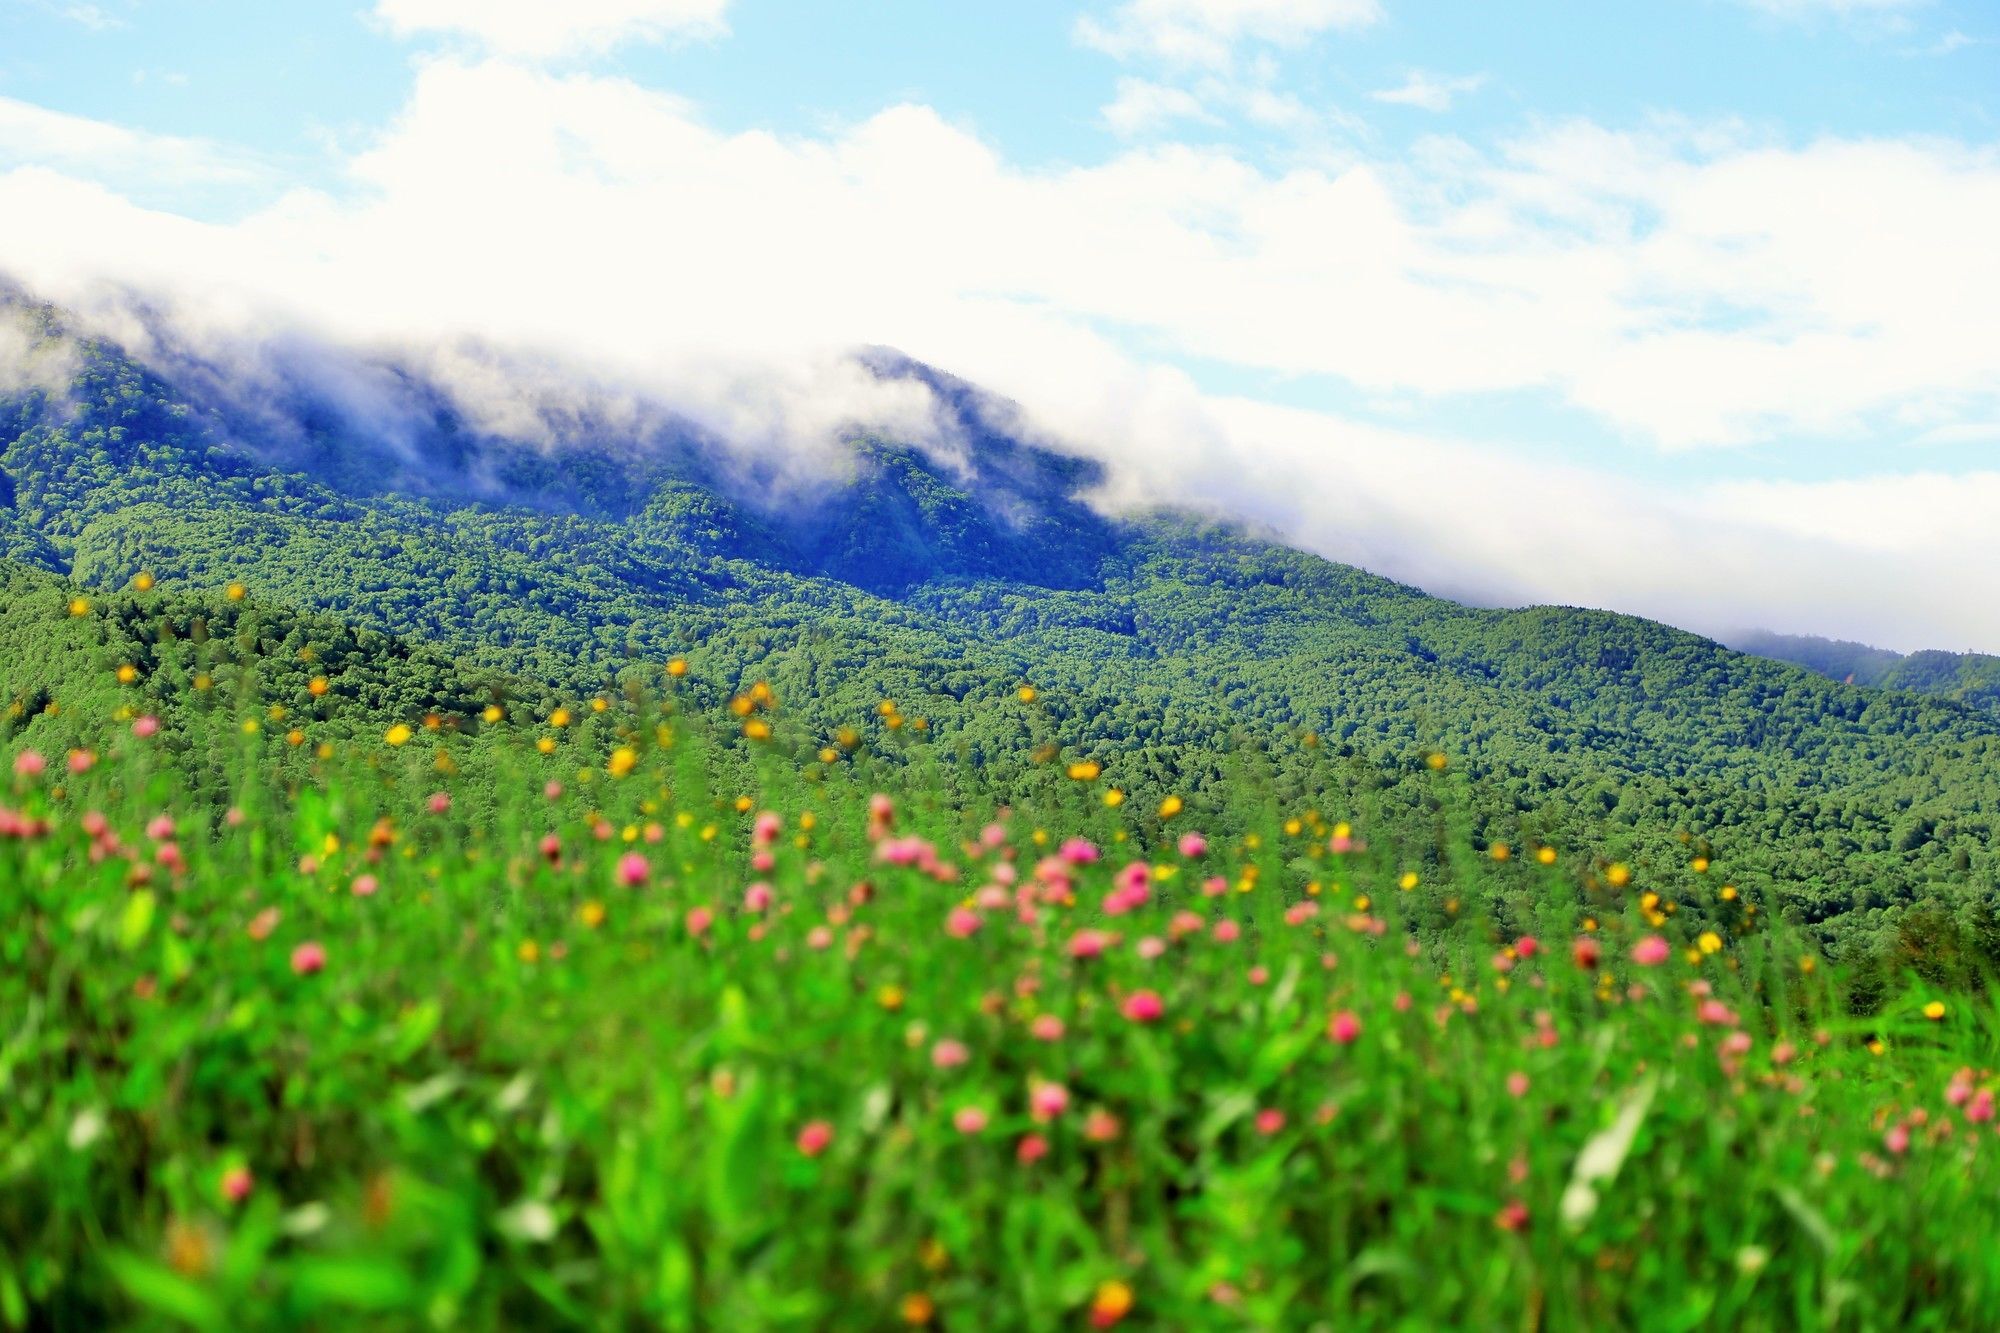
1684,308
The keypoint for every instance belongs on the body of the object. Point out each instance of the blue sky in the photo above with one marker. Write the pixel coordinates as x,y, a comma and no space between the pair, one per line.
1698,283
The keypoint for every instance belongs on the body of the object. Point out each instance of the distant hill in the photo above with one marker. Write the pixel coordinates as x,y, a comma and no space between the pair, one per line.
581,535
1969,678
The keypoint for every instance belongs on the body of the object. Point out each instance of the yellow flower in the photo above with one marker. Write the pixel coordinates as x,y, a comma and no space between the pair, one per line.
398,735
1500,851
678,667
236,592
144,581
1111,1304
743,804
79,606
1026,694
317,686
1709,942
918,1308
295,738
493,713
1546,855
890,997
1700,866
599,704
1619,875
1437,760
757,729
623,760
1934,1010
528,951
1728,894
828,754
559,718
1293,828
1085,770
591,914
1408,881
127,674
251,726
546,745
1170,807
1114,798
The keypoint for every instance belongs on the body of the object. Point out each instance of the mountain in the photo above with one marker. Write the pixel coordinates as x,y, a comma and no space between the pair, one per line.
576,533
1969,678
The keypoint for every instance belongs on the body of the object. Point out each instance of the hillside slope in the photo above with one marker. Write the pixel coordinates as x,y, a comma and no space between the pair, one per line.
1168,649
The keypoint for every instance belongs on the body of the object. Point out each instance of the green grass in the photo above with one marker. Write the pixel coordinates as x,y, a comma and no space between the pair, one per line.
523,1093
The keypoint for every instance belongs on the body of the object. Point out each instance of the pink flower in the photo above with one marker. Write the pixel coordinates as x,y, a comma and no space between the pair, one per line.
969,1120
308,958
1517,1084
1587,951
1031,1149
552,789
763,862
767,828
1046,1101
950,1054
1784,1053
364,886
1897,1140
815,1138
1193,845
1651,951
819,937
699,919
1151,947
1046,1027
1214,886
1512,1217
1344,1027
1270,1120
145,726
81,761
1227,930
236,1184
632,869
1144,1007
1340,842
1078,851
1714,1013
1259,975
1088,943
1979,1110
1100,1126
963,923
160,828
1527,946
440,802
757,898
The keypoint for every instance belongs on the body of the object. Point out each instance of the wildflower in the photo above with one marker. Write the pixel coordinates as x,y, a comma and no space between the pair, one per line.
1344,1027
1144,1007
1170,807
1512,1217
698,920
1031,1149
237,1183
757,898
1046,1027
1226,930
398,735
1026,694
29,764
1193,845
1046,1101
1651,951
1587,951
1527,946
1151,947
1270,1121
623,760
1934,1010
1088,943
815,1138
950,1054
917,1308
1897,1139
1517,1084
962,923
633,870
1709,942
1085,770
364,886
1112,1303
1618,876
308,958
1100,1126
969,1120
439,803
1545,855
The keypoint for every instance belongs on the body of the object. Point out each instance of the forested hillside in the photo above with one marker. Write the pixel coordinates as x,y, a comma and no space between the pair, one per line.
1970,678
916,593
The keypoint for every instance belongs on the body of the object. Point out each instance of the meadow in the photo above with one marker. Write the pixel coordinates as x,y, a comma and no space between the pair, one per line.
648,1013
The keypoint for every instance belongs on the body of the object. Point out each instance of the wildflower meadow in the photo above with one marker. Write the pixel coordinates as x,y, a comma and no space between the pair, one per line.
628,1016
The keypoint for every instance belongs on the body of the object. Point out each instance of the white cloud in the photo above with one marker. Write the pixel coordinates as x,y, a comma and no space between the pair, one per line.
30,134
542,29
1686,285
1430,92
1205,32
1142,106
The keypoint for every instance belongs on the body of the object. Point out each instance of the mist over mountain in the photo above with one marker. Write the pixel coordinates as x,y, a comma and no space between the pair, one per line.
1971,678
